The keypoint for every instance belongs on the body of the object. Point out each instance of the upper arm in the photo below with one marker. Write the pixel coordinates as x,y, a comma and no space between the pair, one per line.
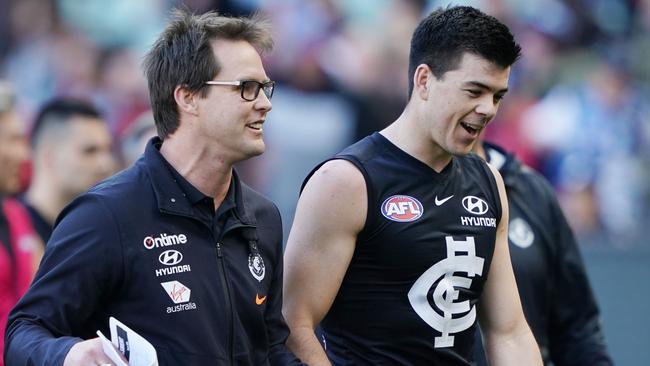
330,214
500,307
576,336
82,258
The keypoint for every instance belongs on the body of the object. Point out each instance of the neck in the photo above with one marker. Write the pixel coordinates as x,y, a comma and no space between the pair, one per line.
206,170
405,133
43,196
480,150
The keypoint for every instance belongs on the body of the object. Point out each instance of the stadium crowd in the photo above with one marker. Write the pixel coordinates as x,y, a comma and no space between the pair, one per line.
575,110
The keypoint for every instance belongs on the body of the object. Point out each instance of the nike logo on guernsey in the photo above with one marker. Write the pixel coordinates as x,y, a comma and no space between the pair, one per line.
259,300
440,202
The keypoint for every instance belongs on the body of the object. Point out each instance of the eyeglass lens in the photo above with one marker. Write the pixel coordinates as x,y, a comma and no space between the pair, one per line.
251,89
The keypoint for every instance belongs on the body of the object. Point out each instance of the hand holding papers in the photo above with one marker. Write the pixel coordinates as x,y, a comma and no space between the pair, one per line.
125,344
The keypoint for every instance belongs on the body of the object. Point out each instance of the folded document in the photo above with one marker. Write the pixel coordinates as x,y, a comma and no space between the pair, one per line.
125,344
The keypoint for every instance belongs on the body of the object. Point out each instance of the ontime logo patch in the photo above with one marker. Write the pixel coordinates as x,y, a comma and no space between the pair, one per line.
402,208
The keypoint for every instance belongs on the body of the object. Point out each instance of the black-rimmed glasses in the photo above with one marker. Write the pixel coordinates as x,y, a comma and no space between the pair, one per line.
250,89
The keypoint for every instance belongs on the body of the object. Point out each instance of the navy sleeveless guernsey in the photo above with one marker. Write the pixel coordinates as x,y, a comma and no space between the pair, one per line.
410,293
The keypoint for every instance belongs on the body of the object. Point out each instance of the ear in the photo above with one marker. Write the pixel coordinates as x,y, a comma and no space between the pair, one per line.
185,100
421,81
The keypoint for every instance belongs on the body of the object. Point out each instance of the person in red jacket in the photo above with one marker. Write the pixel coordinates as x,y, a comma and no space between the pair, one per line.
20,249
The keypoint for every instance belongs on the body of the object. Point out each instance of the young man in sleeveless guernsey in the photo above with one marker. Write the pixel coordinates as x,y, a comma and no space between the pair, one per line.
399,244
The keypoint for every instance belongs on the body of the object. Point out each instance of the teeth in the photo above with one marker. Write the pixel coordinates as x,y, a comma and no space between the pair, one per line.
472,126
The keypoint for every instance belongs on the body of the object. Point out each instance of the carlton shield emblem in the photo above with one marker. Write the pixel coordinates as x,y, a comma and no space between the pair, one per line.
256,266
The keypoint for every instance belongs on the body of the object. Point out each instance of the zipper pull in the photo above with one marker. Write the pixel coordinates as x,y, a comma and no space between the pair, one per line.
219,250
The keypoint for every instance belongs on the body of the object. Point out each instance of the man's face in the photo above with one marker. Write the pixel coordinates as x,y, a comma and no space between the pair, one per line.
14,151
463,101
232,124
84,156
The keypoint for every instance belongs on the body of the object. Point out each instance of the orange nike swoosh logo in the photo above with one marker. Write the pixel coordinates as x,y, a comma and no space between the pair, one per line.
259,300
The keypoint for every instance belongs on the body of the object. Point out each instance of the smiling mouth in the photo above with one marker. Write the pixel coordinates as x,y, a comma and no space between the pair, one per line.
257,126
473,129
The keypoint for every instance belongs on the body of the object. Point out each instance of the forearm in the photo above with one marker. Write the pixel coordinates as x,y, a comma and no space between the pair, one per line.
304,344
515,348
30,344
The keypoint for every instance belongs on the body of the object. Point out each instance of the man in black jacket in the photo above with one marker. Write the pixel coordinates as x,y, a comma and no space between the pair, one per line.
553,285
175,247
71,152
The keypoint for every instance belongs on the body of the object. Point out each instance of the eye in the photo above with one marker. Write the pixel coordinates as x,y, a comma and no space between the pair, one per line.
498,98
250,87
90,150
473,92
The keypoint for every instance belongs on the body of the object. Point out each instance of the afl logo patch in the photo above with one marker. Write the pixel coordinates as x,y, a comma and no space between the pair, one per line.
402,208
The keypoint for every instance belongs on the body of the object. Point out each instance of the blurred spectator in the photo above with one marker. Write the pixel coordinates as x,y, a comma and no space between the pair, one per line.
123,23
20,249
590,132
135,138
13,149
71,151
121,89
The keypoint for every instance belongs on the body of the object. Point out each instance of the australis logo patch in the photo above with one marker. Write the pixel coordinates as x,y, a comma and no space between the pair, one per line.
402,208
180,295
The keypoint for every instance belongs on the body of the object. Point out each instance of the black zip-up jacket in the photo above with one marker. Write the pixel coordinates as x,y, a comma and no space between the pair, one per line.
553,286
204,289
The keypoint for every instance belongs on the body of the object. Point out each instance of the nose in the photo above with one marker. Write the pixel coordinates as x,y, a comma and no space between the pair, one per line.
263,103
487,106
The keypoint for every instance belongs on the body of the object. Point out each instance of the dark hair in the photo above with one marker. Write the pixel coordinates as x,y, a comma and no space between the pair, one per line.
441,39
57,112
182,55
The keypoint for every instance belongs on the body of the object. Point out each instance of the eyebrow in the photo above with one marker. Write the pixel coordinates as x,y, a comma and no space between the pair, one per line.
479,84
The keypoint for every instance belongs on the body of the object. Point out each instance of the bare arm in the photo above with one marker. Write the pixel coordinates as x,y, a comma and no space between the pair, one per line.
508,339
331,212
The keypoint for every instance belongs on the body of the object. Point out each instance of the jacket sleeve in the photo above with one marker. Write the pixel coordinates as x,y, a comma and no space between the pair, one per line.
575,334
277,329
82,262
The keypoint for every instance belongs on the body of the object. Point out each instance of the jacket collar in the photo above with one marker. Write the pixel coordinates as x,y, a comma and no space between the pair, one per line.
506,162
170,196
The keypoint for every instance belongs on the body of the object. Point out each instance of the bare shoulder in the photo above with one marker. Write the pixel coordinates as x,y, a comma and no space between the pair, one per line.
497,175
500,186
339,174
336,193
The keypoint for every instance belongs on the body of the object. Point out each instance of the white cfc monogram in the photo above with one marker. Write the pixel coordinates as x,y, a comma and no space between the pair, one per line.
461,258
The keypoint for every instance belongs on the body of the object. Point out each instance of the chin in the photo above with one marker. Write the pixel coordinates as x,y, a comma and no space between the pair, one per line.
462,151
464,148
256,150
